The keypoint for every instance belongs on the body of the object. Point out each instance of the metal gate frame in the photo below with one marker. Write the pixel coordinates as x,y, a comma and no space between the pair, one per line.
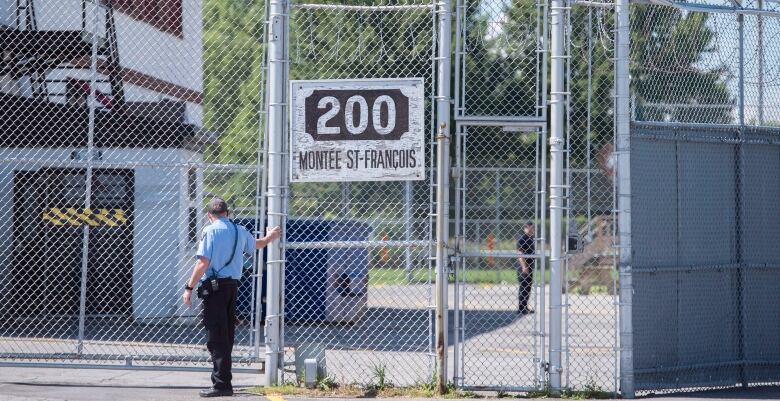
460,283
538,122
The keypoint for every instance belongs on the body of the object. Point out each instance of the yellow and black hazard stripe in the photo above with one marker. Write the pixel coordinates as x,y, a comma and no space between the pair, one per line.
92,217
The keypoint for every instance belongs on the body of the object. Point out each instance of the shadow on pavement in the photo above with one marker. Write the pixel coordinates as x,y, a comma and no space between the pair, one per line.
390,329
380,329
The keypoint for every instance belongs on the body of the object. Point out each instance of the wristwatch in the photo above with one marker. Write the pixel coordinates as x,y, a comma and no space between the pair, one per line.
187,287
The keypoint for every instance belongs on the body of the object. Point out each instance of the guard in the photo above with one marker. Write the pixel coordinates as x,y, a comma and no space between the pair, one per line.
526,247
217,270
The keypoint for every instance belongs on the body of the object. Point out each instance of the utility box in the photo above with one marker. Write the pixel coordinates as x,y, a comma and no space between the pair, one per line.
326,284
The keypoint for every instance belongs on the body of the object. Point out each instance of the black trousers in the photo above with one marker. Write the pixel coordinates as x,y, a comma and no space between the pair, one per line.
219,319
525,281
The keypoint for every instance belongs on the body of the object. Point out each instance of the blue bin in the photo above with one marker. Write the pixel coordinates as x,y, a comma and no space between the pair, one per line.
321,285
326,285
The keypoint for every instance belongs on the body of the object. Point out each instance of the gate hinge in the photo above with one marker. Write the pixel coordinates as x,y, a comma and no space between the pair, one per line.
275,31
546,366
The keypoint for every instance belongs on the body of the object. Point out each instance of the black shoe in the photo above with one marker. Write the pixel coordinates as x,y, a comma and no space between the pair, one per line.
527,311
215,392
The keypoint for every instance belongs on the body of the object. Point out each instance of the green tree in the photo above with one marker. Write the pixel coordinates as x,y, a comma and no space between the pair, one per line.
232,65
670,81
670,77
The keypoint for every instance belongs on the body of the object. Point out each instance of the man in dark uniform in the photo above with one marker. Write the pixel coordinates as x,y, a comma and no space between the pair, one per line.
526,246
218,268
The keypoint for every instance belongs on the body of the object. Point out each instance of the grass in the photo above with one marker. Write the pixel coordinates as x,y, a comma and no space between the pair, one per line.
423,390
380,375
358,391
391,276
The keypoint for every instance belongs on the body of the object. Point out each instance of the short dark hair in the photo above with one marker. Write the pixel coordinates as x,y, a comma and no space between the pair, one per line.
217,206
528,224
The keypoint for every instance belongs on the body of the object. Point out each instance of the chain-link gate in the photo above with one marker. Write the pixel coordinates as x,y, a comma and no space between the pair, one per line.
501,85
119,119
500,177
113,136
358,279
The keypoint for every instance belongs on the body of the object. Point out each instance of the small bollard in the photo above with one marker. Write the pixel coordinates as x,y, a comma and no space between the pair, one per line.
310,372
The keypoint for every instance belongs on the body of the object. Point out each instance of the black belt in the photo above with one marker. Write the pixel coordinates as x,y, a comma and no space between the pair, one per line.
227,281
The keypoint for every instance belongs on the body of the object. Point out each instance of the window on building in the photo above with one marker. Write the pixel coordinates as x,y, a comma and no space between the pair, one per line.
193,225
165,15
192,184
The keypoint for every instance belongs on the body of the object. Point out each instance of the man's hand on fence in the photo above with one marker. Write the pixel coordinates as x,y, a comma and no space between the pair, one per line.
271,234
274,233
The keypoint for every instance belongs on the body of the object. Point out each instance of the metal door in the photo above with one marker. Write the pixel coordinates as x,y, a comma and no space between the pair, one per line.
500,189
48,214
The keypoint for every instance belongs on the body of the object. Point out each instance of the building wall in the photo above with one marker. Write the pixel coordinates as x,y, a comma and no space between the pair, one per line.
157,62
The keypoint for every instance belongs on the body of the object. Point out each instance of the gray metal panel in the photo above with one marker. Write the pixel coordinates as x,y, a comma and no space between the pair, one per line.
654,197
761,206
761,234
707,199
655,307
683,215
708,319
654,238
762,322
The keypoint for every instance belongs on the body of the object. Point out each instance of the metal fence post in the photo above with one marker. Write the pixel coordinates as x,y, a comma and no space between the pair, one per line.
88,185
261,183
760,64
408,230
623,194
443,97
276,184
557,113
740,187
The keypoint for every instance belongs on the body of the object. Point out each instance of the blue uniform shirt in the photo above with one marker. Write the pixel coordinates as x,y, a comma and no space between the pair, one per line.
217,244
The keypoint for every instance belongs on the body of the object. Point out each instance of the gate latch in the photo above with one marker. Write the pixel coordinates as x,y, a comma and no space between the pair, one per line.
546,366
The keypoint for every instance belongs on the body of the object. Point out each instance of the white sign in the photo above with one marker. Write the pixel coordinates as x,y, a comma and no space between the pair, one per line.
357,130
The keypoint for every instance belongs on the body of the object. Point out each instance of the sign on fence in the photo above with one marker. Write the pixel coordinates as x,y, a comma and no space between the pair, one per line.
357,130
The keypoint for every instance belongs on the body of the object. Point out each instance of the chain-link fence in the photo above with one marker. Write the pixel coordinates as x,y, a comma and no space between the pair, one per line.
362,310
118,119
704,166
590,312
